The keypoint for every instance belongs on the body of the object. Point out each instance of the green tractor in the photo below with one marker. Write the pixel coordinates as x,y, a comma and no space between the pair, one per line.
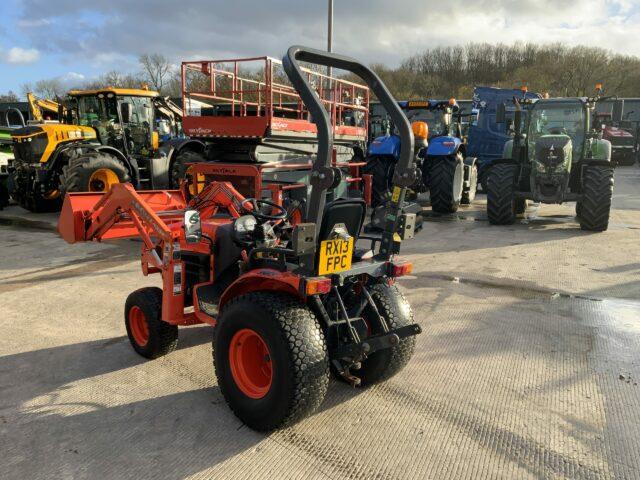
555,156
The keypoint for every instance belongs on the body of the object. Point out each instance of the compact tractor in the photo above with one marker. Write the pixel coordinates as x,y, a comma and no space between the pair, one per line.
244,114
624,148
446,172
289,302
555,156
106,136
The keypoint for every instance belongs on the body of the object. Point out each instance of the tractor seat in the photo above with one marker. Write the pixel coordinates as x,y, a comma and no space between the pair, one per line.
348,211
351,212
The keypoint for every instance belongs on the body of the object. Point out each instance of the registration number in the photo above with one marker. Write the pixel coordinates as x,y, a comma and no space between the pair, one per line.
335,256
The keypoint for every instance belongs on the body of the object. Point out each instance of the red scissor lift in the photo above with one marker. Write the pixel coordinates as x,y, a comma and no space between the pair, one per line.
250,126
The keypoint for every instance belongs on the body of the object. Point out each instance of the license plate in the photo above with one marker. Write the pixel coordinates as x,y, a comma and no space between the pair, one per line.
335,256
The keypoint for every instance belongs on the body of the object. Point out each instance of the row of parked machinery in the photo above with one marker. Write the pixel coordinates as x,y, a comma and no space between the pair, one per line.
109,136
520,146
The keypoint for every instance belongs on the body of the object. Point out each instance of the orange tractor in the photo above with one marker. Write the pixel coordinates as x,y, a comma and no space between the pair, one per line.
288,302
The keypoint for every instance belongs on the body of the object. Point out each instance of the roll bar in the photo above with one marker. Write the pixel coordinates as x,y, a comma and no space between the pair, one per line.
322,175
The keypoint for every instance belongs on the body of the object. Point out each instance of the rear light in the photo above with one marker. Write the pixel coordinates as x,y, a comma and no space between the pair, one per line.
316,286
448,144
400,269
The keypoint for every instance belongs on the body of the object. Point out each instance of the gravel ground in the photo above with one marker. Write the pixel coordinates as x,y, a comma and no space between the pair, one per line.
527,366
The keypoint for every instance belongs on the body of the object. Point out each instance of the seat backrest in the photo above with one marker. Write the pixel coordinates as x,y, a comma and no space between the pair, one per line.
349,211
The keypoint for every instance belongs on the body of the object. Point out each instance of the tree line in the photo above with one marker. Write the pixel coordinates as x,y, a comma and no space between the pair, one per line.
438,72
557,69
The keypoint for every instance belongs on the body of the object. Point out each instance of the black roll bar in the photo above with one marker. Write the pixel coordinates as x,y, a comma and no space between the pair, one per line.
322,175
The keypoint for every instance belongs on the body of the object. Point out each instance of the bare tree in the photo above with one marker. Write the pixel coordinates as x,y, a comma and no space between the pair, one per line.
47,88
156,70
8,97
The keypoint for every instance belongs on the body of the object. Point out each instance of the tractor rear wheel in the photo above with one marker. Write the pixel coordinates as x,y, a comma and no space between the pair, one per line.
381,170
148,334
595,206
501,202
446,180
271,359
181,165
93,172
396,311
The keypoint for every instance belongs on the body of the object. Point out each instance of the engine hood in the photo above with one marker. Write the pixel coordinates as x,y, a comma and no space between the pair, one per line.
615,132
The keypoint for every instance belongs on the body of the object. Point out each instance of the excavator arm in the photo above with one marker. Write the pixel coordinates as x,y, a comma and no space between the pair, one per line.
36,105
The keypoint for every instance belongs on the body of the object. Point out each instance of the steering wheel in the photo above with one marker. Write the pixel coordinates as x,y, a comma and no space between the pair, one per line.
256,203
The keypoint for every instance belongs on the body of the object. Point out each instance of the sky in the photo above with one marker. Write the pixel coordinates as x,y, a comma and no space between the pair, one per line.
80,40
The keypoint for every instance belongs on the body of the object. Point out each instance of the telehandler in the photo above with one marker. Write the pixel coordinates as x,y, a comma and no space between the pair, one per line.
288,303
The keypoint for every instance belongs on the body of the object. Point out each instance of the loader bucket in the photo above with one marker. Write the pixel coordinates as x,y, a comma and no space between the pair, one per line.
83,212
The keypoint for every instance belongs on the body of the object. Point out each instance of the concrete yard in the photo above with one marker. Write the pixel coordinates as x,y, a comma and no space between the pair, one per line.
527,367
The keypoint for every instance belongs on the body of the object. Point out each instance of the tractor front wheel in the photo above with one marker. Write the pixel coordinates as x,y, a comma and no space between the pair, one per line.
93,172
501,202
396,312
271,359
148,334
595,207
445,182
381,170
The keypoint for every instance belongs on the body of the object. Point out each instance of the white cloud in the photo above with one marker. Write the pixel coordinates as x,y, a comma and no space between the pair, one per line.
112,34
72,77
19,55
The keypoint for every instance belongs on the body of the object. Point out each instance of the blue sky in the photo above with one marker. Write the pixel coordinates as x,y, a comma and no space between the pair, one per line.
76,41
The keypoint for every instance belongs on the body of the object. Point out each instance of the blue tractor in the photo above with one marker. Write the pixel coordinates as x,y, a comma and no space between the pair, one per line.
445,170
487,136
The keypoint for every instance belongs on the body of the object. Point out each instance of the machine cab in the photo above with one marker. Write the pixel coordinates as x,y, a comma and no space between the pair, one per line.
122,118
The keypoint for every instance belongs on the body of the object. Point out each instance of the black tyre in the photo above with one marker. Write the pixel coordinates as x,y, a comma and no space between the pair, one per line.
93,172
37,203
501,202
578,209
181,164
381,169
148,334
4,194
469,193
395,309
520,206
597,190
271,360
446,177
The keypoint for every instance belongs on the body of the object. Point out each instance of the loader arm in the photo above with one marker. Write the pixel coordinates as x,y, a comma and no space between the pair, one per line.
123,213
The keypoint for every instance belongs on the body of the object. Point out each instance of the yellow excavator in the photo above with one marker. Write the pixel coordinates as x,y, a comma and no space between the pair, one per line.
103,136
37,105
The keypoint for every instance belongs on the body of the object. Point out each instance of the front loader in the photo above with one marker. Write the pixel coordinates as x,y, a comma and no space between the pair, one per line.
288,302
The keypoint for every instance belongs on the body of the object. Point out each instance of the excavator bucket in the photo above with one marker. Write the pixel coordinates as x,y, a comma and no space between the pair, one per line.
89,216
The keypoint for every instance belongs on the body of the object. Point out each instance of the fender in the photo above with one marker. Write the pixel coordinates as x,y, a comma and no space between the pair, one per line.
601,150
263,279
443,146
470,161
130,163
386,145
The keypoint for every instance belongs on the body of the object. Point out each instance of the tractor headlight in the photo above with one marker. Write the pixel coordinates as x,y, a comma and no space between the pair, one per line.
245,224
243,229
